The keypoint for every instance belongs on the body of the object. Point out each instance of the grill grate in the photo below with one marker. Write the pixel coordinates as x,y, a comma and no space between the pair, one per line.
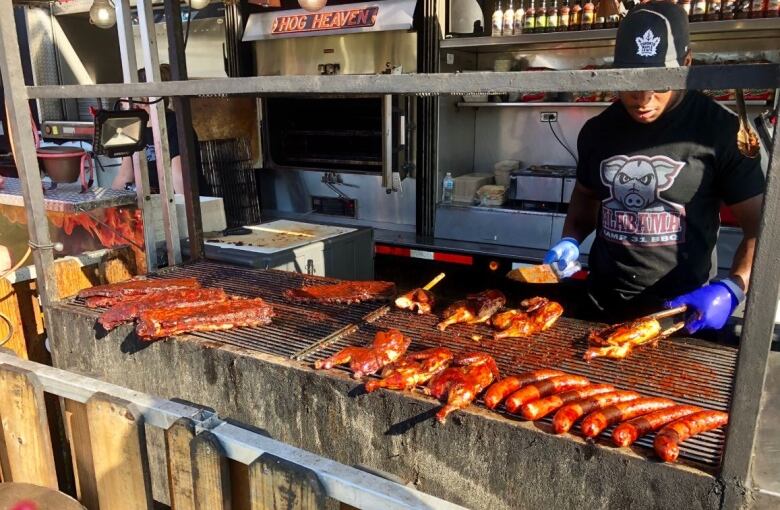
684,370
295,329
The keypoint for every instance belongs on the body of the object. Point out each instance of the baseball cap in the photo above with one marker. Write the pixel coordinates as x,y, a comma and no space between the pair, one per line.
653,34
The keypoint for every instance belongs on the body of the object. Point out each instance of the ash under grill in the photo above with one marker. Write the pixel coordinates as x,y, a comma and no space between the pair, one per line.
295,329
685,370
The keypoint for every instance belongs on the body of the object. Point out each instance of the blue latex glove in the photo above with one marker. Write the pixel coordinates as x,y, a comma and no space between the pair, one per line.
564,252
711,305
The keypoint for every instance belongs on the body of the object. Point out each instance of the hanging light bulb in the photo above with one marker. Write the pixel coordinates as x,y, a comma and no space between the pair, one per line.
312,5
199,4
102,14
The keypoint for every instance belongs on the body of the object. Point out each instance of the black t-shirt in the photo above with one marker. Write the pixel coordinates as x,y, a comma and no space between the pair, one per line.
173,151
661,186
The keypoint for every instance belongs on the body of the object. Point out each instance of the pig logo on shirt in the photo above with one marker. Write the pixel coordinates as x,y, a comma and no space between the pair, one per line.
635,213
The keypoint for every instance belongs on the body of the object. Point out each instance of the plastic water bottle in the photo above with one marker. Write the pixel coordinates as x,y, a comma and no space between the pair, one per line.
447,187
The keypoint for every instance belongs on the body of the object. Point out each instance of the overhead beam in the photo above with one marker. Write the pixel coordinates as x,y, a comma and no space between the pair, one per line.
697,78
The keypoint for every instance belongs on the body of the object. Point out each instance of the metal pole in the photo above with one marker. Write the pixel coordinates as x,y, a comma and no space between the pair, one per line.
130,73
755,343
160,129
190,170
16,102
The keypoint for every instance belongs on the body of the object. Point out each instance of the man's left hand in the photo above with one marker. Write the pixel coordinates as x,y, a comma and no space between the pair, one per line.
711,305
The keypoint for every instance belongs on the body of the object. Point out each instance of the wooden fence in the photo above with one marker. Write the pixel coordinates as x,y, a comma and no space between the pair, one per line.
88,438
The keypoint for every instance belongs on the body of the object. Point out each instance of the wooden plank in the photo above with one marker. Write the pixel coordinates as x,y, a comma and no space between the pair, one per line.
278,484
210,474
178,440
9,307
119,445
77,426
72,277
239,485
116,270
32,322
26,450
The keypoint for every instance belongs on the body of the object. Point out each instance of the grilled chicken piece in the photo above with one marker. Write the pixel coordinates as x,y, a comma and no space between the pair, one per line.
462,383
387,347
538,314
618,341
343,293
413,370
420,300
475,309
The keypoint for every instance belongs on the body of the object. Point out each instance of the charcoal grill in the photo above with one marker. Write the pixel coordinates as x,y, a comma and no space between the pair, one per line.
682,369
295,329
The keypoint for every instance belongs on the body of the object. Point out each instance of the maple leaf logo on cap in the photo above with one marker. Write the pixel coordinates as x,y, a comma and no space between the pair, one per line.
647,44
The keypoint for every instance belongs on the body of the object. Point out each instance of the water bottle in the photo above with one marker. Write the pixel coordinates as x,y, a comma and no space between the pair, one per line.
447,187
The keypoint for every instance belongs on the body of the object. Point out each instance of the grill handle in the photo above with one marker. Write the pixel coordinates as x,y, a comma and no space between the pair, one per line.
387,142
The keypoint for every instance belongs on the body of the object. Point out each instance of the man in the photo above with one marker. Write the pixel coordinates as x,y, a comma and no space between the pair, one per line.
653,170
126,177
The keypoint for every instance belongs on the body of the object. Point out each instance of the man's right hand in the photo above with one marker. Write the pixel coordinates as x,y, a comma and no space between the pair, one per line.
564,252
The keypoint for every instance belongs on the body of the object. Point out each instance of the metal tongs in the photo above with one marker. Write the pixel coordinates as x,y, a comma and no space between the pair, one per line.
665,314
747,139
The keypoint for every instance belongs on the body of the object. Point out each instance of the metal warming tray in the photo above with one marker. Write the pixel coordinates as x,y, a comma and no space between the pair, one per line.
309,248
541,183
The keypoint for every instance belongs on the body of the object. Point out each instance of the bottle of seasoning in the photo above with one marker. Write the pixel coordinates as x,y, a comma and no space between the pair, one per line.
541,18
727,8
519,19
498,20
699,9
575,16
758,9
587,16
509,20
530,18
713,10
563,16
686,6
742,10
552,17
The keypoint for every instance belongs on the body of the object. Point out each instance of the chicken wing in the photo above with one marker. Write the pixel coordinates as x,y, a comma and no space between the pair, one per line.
619,340
413,370
387,347
538,314
419,300
462,383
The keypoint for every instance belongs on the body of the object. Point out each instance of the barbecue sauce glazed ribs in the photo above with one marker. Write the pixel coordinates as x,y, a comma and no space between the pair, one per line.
108,295
128,311
343,293
159,323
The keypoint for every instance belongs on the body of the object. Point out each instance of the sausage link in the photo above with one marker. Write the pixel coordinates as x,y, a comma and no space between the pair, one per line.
667,441
538,409
566,416
544,388
626,433
499,390
596,422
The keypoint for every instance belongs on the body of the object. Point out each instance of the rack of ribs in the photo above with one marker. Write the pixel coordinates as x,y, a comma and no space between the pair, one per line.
130,310
239,312
109,295
475,309
343,293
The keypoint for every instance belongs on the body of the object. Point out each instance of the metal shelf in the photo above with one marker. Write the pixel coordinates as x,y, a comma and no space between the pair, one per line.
562,104
67,198
698,28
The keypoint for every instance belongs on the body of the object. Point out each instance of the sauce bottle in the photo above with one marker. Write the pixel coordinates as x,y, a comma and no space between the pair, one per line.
742,10
587,16
541,18
519,19
686,6
699,9
758,9
498,20
713,10
530,19
727,9
509,20
563,16
773,9
575,16
552,17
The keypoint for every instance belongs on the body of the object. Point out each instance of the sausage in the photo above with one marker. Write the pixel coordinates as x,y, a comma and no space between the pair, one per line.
667,441
566,416
544,388
538,409
499,390
596,422
626,433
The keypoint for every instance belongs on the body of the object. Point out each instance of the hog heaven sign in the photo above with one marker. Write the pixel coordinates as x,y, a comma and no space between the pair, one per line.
322,21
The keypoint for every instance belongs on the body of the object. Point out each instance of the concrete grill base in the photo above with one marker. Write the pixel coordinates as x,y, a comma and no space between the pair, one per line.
479,459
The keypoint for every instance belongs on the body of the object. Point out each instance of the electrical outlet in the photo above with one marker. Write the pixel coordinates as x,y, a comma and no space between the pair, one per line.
548,117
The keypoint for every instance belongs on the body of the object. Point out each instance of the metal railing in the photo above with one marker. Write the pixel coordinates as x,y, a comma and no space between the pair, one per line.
105,427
